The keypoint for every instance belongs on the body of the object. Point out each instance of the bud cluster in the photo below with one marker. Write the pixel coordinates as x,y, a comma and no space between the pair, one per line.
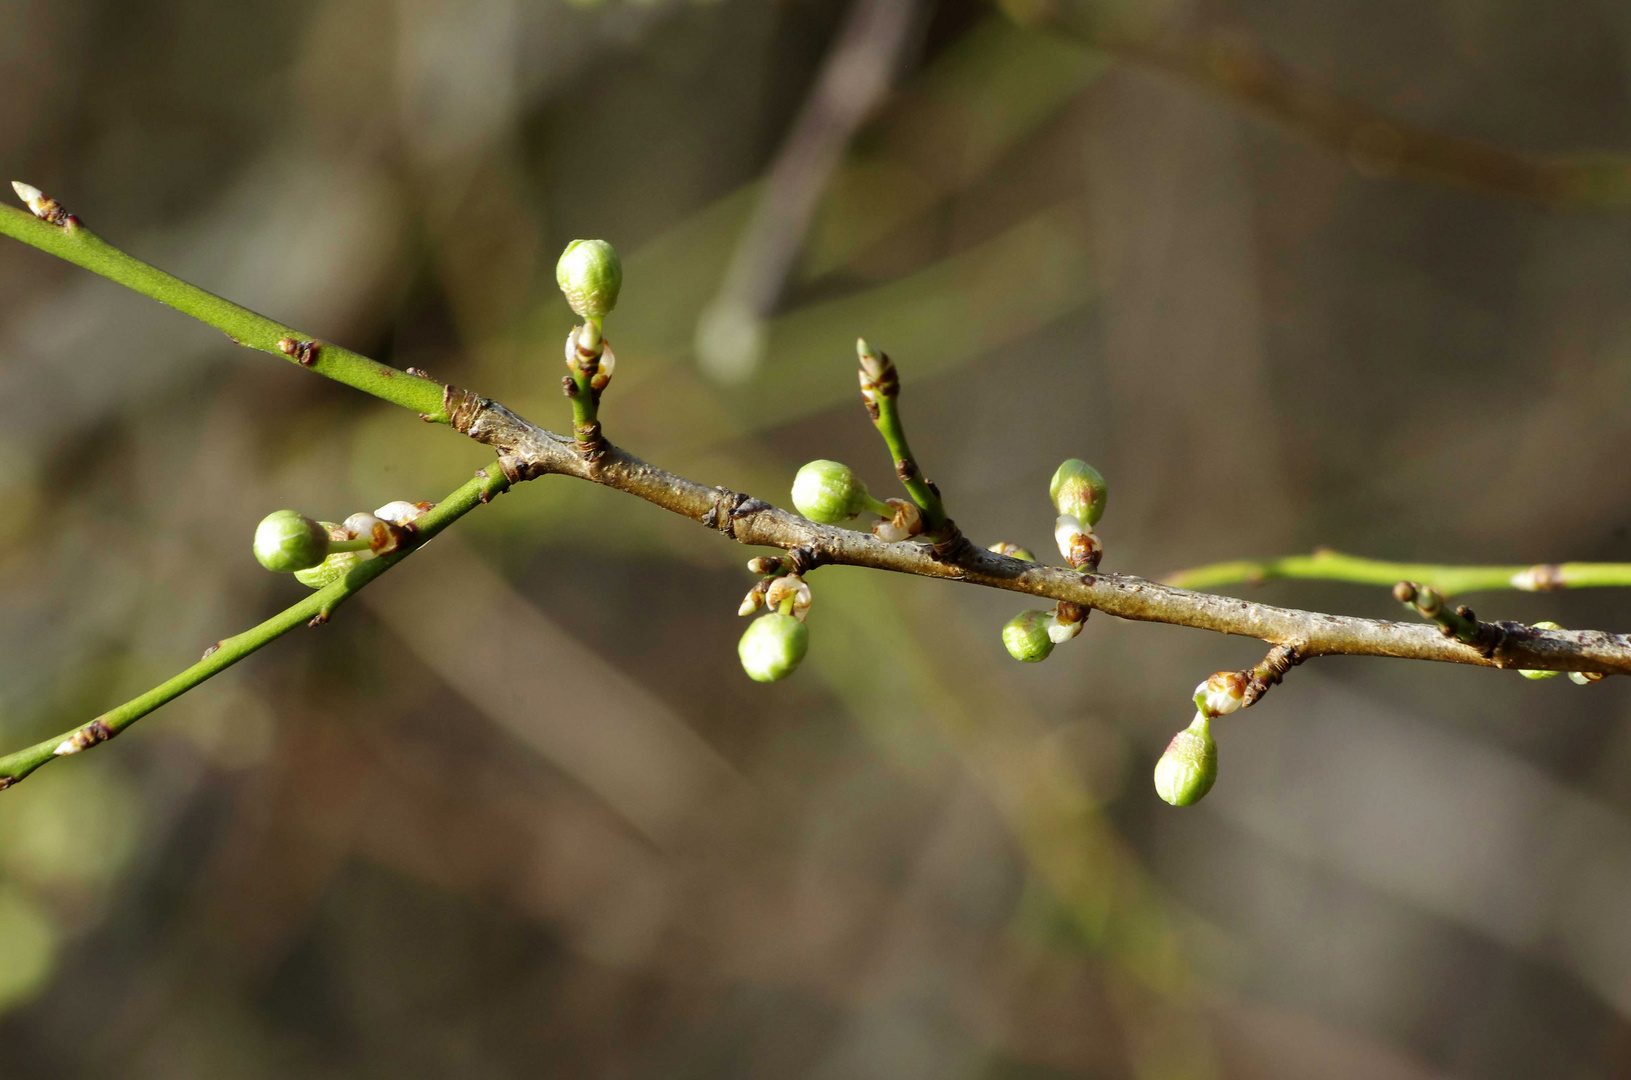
319,553
776,641
1078,492
1031,635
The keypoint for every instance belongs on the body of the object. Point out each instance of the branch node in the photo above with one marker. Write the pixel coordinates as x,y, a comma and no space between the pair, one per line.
83,739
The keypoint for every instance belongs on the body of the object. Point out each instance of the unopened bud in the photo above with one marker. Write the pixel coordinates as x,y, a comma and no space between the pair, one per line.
1068,620
39,203
765,564
1013,551
1078,489
755,599
1026,636
1076,542
877,374
773,646
790,589
1221,694
1188,769
332,569
591,275
287,540
829,492
1538,673
1585,678
403,513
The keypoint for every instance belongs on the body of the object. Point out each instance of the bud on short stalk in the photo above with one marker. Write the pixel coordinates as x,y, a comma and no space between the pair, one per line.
773,646
590,275
831,493
1026,636
1078,489
1188,769
287,540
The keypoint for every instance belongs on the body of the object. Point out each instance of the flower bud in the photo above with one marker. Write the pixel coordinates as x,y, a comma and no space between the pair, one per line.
1026,636
287,540
403,513
790,588
1068,620
1078,489
1013,551
1221,694
773,646
590,274
1076,542
1188,769
828,492
332,569
1537,673
1585,678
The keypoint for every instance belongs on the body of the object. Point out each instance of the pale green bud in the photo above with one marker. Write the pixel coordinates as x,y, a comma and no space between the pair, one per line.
828,492
287,540
1534,673
590,274
773,646
1079,490
332,569
1026,636
1188,769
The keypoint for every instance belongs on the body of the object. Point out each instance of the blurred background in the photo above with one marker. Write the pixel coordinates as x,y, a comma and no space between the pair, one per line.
518,812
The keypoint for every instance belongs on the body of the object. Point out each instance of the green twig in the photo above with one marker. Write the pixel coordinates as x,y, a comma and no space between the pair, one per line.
315,608
1459,623
880,389
1328,565
70,240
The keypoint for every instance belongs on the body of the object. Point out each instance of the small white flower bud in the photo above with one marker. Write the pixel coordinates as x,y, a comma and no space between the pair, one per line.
402,512
1221,694
287,540
753,601
765,564
1585,678
1026,636
591,275
773,646
1061,632
1079,490
1189,768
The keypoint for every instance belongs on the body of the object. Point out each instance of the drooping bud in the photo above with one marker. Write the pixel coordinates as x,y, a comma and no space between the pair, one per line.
591,275
1537,673
773,646
1013,551
1078,489
1222,693
828,492
1188,769
1026,637
287,540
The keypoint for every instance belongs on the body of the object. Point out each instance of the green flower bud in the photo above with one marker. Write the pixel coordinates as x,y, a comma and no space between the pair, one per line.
288,540
590,274
1188,769
1078,489
1533,673
1026,636
828,492
332,569
773,646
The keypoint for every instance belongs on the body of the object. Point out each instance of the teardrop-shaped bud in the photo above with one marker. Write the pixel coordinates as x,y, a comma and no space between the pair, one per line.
1026,637
1078,489
1188,769
1535,673
828,492
773,646
287,540
591,275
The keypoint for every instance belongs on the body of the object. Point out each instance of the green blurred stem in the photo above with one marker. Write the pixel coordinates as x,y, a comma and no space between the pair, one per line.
1327,565
75,243
889,425
319,605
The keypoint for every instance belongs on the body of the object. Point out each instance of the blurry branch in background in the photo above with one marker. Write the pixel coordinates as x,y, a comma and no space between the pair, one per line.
1229,64
854,80
917,538
1327,565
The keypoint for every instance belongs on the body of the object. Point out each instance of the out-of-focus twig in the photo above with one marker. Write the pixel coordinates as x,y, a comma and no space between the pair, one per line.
1327,565
854,80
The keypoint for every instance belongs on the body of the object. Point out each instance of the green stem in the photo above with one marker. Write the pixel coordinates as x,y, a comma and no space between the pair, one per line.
1327,565
361,543
319,605
889,425
76,244
585,402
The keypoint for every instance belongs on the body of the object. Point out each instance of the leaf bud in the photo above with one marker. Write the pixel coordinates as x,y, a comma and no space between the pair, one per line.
828,492
590,274
765,564
1026,637
287,540
1188,769
1221,694
332,569
1076,542
1539,673
1078,489
755,599
773,646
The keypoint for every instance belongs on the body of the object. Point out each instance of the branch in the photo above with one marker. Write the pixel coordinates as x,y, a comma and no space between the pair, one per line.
314,610
1327,565
1236,68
